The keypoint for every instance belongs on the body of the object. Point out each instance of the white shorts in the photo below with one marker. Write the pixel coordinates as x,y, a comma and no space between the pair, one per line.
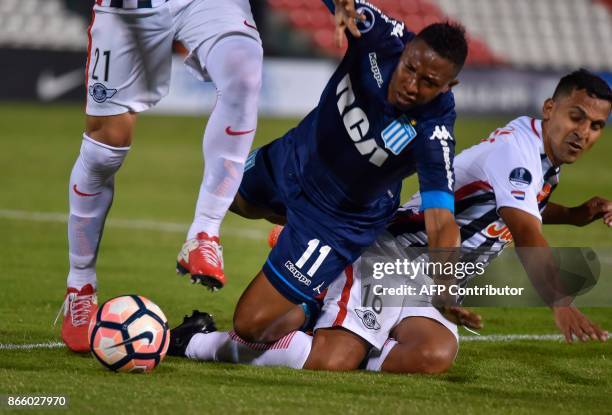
130,50
342,307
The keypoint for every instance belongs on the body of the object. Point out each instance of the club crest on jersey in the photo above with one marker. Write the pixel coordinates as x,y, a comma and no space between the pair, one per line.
518,194
100,93
520,177
366,24
398,134
368,318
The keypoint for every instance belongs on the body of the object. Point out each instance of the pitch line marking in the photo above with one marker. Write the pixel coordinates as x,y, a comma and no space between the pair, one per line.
142,224
33,346
512,337
491,338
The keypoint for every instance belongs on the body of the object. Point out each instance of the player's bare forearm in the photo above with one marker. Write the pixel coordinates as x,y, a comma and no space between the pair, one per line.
442,230
442,233
535,255
556,214
591,210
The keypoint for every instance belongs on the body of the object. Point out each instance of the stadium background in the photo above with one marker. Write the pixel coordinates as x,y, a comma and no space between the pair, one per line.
518,50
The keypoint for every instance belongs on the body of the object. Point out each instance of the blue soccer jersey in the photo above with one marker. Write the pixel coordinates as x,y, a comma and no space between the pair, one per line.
354,146
337,175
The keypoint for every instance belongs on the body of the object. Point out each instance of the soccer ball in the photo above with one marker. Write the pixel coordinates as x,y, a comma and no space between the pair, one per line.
129,334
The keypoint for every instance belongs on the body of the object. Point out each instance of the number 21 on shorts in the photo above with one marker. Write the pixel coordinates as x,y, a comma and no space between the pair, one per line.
313,244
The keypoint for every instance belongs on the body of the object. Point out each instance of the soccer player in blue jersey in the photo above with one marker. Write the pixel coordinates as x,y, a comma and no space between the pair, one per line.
334,180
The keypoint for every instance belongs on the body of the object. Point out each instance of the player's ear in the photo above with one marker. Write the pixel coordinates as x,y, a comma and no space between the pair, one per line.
547,108
451,84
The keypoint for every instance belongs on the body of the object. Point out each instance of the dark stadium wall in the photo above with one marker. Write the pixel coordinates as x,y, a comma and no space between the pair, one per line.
48,76
42,75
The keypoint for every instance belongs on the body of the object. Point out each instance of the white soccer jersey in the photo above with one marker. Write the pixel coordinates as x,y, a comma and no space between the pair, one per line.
507,169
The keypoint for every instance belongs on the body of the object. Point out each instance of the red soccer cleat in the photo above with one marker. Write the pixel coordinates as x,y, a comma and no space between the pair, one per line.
202,257
274,234
79,306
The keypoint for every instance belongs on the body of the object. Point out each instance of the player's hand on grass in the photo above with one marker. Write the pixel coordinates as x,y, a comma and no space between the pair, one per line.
596,208
462,317
346,18
572,323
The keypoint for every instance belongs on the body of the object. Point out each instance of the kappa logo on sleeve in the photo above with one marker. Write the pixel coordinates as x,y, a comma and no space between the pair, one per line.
441,134
520,177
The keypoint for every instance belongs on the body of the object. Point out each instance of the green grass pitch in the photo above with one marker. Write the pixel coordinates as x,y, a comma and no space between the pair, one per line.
154,202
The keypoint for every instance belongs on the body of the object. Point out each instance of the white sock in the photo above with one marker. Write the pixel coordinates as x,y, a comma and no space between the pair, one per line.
377,358
90,195
290,351
234,64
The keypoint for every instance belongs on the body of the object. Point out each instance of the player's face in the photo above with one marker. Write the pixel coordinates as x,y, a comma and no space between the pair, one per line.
572,125
420,76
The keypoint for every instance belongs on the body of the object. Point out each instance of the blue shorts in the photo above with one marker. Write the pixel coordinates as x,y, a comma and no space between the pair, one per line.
316,244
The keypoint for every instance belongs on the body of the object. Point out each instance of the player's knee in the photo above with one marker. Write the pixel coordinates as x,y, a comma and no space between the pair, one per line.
331,350
250,327
242,90
242,82
101,161
432,359
330,361
246,82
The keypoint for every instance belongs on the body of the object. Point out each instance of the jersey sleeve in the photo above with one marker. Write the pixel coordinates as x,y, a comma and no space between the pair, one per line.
376,27
513,178
435,153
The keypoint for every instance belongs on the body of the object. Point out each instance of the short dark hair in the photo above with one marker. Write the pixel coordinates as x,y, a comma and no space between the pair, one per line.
582,79
448,40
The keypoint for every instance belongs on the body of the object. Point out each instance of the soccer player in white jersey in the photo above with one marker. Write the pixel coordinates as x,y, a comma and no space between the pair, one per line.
128,71
502,194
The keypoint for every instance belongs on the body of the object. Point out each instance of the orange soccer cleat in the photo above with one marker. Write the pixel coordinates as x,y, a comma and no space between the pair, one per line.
202,257
79,306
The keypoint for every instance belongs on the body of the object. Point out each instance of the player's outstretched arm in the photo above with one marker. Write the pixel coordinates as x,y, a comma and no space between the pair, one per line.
591,210
539,265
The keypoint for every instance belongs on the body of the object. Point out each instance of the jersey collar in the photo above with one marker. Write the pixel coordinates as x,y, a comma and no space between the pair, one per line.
547,165
536,128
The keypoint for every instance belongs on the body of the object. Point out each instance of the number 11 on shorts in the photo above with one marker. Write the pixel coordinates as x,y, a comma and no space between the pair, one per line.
312,246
